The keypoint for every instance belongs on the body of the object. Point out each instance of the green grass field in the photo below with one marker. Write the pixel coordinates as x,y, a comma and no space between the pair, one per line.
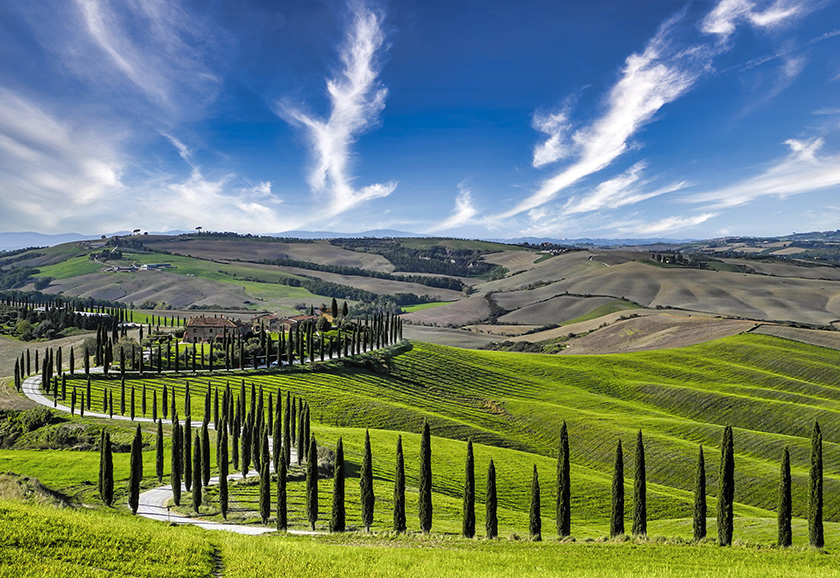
511,405
422,306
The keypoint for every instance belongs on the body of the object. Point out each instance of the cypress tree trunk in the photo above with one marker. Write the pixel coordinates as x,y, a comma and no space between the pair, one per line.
492,521
176,465
337,522
312,484
700,499
282,522
425,505
617,518
536,520
399,490
366,485
726,491
265,492
468,525
223,473
205,455
640,491
159,452
564,501
785,533
815,493
107,472
187,459
136,471
196,485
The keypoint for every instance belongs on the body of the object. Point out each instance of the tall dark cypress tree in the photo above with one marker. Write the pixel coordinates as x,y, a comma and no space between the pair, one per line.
726,488
187,459
224,471
399,490
425,498
468,522
159,452
700,498
282,520
301,433
617,518
107,472
312,484
176,465
785,533
196,483
205,454
136,471
287,433
491,505
564,500
265,492
366,485
816,536
640,491
101,460
337,521
535,529
277,434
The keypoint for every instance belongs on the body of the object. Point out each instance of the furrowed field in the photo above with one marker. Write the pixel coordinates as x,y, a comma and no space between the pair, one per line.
512,406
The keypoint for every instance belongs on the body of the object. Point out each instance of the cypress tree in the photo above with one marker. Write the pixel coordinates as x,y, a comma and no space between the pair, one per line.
700,498
205,455
223,473
176,466
726,492
301,440
265,492
425,505
337,522
101,460
815,493
468,523
247,432
159,452
399,490
640,491
564,501
282,522
617,518
535,529
287,434
785,533
187,460
490,504
312,484
136,471
366,485
196,482
277,434
107,472
154,406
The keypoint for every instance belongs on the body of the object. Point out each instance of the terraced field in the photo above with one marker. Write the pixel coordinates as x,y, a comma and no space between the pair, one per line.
512,405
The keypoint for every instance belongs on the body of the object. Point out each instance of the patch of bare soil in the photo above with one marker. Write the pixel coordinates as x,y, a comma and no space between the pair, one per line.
819,337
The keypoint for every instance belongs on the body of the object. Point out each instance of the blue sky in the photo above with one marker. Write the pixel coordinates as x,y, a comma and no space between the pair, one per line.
472,119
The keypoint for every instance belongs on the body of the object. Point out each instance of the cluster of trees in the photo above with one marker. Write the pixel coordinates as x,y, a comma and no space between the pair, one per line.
319,287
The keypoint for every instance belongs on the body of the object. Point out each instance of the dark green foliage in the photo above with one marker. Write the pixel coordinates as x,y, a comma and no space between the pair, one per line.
312,484
700,498
535,528
187,459
785,533
564,501
223,473
276,434
399,490
282,520
491,504
107,471
640,491
726,488
176,466
159,452
245,460
196,485
468,522
425,499
337,522
287,432
301,432
366,485
617,517
135,471
205,454
816,536
265,492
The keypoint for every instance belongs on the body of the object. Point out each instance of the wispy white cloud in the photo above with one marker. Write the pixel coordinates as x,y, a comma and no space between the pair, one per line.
725,17
357,97
556,146
463,213
802,171
667,225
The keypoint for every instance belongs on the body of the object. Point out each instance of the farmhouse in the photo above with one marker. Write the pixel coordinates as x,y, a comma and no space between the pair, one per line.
203,329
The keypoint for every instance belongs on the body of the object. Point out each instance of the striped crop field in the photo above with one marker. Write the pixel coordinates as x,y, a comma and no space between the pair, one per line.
512,406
